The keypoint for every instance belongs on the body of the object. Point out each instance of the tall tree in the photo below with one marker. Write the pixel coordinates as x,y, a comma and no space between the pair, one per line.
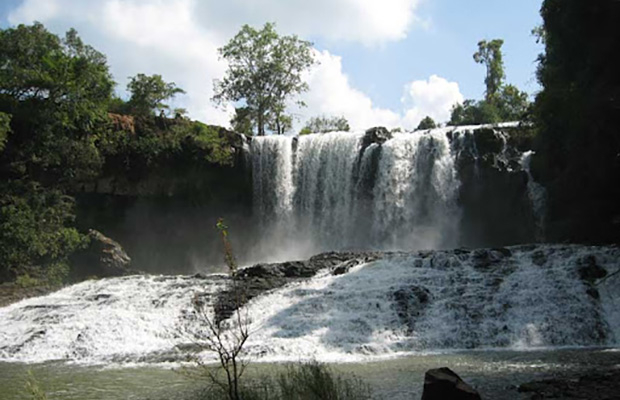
490,55
502,102
149,93
264,70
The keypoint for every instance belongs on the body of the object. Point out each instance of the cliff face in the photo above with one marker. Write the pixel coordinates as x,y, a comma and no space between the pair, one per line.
496,207
161,192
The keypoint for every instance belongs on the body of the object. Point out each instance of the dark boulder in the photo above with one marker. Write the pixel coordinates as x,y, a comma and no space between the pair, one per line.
103,257
377,135
589,270
409,303
444,384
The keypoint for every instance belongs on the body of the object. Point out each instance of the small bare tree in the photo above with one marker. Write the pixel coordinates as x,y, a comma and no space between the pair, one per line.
225,337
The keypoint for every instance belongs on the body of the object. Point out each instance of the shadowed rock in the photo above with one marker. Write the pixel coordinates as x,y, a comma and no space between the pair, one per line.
444,384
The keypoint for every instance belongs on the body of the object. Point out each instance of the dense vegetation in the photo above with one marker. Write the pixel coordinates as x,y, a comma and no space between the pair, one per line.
56,134
578,114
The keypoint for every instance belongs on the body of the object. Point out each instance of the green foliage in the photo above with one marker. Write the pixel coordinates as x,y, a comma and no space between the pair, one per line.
502,102
264,69
148,94
325,124
57,92
208,139
5,129
490,54
577,114
26,281
35,230
315,381
302,381
427,123
242,121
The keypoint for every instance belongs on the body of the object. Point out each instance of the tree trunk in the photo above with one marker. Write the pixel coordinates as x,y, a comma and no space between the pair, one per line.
261,122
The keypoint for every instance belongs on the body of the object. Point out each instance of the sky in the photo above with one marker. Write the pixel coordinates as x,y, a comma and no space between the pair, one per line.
380,62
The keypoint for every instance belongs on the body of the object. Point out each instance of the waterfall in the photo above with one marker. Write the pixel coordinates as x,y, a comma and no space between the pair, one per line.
520,297
537,195
332,193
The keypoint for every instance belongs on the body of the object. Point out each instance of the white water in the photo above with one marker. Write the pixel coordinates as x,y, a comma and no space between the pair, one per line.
322,192
537,195
530,299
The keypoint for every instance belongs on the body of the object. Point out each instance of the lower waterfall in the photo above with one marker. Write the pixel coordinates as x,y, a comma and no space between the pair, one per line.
520,297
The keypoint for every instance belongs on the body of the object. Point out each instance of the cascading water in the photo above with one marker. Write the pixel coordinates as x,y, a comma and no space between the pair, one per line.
333,192
521,297
537,195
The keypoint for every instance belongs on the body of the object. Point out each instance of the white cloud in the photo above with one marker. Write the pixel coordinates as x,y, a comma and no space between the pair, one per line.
179,39
331,94
434,98
370,22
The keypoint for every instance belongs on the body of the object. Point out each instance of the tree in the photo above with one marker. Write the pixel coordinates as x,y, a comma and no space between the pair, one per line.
148,93
502,102
490,54
242,121
578,150
54,97
264,70
427,123
325,124
225,338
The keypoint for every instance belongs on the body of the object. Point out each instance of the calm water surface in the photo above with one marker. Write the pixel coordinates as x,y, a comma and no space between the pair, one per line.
494,373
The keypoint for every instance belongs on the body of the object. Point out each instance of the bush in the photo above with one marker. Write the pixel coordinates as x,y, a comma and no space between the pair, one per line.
303,381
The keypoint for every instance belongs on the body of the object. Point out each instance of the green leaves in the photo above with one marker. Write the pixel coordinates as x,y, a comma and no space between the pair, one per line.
427,123
502,102
264,69
490,54
325,124
148,93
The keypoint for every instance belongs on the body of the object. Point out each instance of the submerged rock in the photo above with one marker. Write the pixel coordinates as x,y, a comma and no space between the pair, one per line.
589,270
444,384
410,302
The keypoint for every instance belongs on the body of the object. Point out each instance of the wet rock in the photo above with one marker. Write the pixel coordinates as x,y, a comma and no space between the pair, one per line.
485,258
344,267
253,281
602,385
409,303
589,270
444,384
103,257
377,135
539,258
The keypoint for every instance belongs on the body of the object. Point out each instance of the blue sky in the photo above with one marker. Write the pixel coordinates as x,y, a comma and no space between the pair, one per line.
388,62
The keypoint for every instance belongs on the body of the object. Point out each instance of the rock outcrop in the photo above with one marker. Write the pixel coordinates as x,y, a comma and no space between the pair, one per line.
103,257
253,281
444,384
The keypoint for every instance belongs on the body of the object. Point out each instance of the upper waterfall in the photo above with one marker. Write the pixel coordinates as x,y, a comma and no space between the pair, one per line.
334,191
402,191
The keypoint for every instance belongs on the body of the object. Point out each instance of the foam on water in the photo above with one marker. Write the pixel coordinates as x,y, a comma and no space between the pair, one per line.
522,298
